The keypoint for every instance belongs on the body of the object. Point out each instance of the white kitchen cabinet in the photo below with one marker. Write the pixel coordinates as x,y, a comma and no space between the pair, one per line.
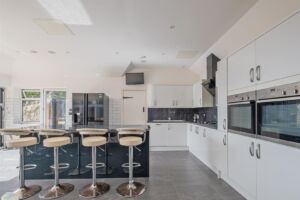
201,97
277,52
195,141
241,69
170,96
177,136
168,135
241,164
158,134
217,143
221,84
278,174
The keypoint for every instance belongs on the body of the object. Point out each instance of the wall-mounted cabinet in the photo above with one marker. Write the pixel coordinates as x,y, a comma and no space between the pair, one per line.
170,96
201,97
273,56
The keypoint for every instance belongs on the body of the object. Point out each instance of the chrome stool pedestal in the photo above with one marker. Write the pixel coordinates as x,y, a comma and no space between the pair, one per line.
59,139
93,138
131,137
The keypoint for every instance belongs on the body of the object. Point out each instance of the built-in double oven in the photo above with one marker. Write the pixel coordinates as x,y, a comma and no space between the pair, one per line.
242,113
272,113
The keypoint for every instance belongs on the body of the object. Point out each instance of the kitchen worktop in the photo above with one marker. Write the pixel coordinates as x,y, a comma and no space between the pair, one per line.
207,125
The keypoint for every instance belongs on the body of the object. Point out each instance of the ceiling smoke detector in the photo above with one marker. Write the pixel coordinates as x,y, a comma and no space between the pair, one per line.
51,52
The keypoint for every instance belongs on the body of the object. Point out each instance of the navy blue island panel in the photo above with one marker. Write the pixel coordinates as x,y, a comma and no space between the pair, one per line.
77,158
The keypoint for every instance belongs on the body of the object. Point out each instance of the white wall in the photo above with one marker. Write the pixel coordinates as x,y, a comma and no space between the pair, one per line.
264,15
85,83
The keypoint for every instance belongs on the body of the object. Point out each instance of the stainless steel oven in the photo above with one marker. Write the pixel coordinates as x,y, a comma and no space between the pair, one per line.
278,112
242,113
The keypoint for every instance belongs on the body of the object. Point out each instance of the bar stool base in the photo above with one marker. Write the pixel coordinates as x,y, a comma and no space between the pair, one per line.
28,191
56,191
92,191
131,190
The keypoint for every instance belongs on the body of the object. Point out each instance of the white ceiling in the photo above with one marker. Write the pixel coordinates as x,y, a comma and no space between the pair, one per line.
110,34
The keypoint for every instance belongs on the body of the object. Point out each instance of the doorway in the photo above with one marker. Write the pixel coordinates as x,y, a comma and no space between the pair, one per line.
134,107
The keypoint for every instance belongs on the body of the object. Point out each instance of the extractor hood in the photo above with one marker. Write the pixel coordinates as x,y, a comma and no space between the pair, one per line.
210,83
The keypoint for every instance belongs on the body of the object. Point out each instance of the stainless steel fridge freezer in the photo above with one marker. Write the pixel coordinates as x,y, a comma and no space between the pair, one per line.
90,109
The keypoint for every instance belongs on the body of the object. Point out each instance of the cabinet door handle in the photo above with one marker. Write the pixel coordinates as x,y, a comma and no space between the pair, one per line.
224,140
251,73
258,70
224,124
204,132
155,102
251,149
258,155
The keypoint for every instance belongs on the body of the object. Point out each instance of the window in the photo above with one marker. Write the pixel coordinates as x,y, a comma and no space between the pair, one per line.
31,105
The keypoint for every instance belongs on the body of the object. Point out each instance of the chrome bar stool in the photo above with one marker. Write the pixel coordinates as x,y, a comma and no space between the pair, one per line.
54,139
22,138
94,138
131,137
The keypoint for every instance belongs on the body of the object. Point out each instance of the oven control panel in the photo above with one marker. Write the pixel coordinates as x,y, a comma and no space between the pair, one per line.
243,97
289,90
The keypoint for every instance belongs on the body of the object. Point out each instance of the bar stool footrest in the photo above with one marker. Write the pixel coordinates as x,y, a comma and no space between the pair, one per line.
98,165
92,191
131,189
28,191
61,166
56,191
135,165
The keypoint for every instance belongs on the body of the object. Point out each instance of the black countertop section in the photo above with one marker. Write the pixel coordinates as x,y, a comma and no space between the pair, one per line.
208,125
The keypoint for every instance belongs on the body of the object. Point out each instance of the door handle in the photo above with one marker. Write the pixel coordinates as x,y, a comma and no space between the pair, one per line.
258,70
258,155
224,140
143,109
251,73
251,149
224,124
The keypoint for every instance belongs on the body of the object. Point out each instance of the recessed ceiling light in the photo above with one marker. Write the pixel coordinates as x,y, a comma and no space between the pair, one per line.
117,53
33,51
172,27
51,52
143,57
163,54
143,61
68,11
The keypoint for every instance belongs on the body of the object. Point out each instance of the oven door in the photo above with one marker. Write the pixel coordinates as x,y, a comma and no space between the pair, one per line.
279,119
241,117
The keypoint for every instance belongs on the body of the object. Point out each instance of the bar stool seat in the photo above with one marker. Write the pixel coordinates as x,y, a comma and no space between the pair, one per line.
93,141
57,141
130,141
21,142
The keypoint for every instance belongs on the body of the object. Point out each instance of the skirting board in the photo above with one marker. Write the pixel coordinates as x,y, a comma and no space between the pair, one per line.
169,148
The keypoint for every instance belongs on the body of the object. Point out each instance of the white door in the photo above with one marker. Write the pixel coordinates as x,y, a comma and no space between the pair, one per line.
134,107
158,134
241,69
278,172
277,52
242,165
177,135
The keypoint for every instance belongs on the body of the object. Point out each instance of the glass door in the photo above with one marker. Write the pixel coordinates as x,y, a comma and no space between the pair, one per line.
55,109
95,110
241,117
279,119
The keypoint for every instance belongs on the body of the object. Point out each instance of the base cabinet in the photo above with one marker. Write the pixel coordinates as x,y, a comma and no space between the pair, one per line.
278,174
168,135
242,164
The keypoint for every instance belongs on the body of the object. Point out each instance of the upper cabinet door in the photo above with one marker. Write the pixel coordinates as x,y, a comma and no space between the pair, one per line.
183,96
241,69
163,97
197,94
277,52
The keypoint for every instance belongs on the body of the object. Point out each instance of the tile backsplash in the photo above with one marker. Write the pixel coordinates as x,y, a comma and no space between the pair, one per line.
208,114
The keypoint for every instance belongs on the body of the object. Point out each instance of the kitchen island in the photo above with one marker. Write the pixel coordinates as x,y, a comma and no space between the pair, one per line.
75,158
